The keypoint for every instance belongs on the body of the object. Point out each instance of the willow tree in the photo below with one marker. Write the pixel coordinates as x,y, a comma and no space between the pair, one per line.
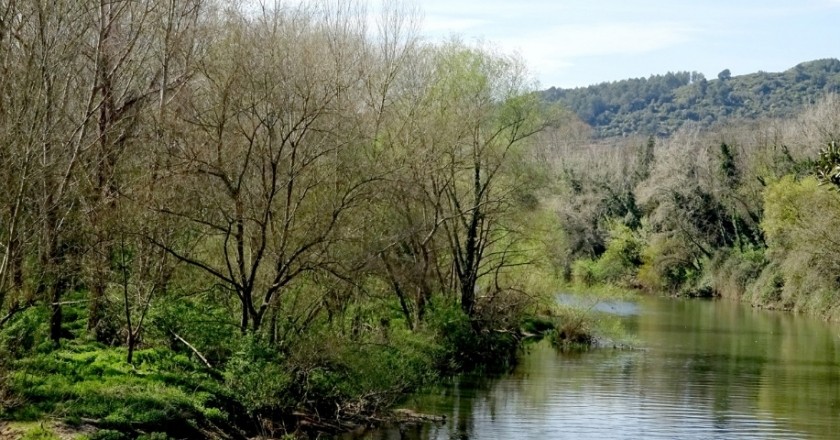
455,141
488,99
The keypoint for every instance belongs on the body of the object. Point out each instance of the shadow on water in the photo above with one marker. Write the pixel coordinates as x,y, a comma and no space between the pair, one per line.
710,369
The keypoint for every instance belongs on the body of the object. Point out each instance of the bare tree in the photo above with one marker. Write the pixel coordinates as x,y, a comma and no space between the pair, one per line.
143,54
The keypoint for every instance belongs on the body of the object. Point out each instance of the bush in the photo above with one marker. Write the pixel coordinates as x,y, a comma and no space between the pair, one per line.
668,264
617,265
537,325
800,219
257,376
586,272
467,345
732,272
574,329
622,257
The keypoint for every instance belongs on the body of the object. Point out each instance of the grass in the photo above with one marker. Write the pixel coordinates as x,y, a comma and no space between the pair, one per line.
86,383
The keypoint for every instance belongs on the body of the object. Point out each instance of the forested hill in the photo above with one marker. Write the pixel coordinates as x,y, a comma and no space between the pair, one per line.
662,103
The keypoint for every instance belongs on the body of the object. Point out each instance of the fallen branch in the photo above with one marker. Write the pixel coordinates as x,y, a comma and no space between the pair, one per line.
194,350
12,312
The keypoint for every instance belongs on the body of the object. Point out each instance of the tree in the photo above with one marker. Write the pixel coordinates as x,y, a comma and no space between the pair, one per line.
265,172
828,165
53,96
497,114
142,54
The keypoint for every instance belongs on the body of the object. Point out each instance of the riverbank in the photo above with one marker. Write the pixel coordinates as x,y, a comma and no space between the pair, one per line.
83,389
708,369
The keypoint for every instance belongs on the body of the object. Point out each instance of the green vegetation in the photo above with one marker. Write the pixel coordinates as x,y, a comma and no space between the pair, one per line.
661,104
746,210
217,221
224,222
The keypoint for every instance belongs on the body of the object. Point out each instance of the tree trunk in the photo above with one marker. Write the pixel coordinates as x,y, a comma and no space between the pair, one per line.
131,342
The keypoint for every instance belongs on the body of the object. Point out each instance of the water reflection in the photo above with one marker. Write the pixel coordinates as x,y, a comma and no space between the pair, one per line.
709,370
595,304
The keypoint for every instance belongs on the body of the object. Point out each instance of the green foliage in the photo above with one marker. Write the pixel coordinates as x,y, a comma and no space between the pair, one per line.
766,290
39,433
573,329
203,320
622,256
537,325
258,378
79,381
335,375
586,272
619,262
667,264
828,164
467,344
728,168
732,272
25,333
661,104
108,434
242,275
578,327
801,217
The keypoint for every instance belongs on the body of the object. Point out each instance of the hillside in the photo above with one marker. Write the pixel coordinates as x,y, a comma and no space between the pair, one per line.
662,103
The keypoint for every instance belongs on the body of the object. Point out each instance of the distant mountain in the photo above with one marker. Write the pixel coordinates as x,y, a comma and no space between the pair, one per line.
662,103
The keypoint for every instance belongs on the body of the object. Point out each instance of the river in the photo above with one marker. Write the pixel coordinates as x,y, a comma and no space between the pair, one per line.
703,370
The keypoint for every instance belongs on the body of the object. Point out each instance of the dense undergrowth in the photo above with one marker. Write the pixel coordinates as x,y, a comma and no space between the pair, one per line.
329,382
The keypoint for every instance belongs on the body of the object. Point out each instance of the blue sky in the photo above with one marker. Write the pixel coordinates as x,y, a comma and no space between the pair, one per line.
570,43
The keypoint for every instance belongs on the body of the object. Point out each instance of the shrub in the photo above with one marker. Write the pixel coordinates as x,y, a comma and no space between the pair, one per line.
617,265
733,271
668,264
621,259
257,376
468,345
800,219
586,272
573,328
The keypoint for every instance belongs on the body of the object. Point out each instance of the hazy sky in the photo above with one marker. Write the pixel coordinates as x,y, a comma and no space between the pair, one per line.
570,43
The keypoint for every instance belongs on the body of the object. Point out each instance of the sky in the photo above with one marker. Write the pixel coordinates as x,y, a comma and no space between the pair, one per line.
575,43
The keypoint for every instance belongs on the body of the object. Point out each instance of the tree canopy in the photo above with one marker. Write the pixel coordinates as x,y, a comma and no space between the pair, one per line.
661,104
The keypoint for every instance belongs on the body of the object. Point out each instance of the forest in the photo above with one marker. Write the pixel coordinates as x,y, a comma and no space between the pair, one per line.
661,104
227,221
222,221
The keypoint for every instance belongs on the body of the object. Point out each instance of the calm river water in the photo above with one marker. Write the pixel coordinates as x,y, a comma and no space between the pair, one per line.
705,370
